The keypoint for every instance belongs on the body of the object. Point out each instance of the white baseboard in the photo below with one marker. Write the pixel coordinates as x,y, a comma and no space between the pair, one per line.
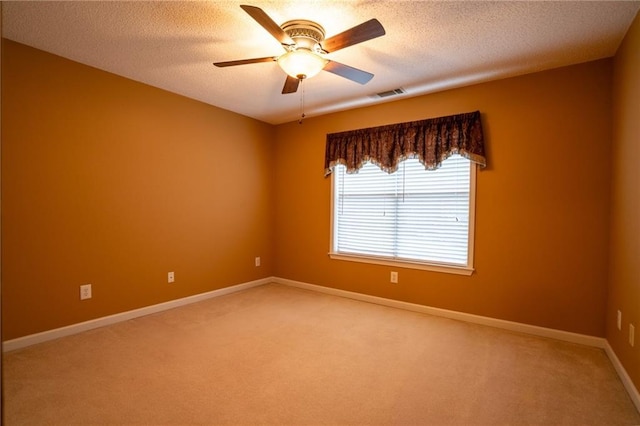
44,336
626,380
598,342
582,339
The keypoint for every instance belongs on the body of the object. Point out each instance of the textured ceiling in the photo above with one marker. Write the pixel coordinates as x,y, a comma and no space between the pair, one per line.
428,46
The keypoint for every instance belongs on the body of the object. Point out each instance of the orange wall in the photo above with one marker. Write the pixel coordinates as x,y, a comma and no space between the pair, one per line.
542,204
624,284
114,183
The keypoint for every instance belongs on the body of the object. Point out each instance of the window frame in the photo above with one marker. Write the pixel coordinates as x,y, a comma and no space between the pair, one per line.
467,269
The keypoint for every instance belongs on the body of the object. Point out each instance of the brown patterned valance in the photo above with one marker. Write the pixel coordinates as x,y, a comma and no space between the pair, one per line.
432,141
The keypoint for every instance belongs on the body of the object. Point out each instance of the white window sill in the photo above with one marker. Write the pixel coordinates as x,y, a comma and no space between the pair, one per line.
436,267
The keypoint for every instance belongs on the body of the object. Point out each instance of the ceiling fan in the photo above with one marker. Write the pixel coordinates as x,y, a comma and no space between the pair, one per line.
306,48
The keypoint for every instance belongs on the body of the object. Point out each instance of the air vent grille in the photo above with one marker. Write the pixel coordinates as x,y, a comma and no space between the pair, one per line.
393,92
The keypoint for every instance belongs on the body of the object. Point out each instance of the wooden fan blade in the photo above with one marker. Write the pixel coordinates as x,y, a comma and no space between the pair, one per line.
268,24
363,32
353,74
244,61
290,85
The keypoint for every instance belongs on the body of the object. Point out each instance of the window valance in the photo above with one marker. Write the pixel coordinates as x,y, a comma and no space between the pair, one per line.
431,141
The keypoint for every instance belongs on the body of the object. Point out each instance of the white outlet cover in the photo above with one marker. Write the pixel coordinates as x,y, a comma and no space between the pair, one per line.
85,291
619,320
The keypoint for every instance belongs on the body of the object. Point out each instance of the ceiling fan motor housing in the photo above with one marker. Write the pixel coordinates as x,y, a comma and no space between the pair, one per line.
306,34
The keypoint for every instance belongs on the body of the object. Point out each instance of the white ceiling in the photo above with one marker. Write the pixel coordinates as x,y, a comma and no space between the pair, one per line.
428,46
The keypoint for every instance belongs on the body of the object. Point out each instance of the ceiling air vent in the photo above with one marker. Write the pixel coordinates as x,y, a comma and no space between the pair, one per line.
393,92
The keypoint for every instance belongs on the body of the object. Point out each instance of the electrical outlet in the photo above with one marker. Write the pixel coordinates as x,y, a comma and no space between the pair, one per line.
85,291
394,277
171,277
632,332
619,320
258,261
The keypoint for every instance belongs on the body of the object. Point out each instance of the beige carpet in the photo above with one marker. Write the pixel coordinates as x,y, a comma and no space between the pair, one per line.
280,355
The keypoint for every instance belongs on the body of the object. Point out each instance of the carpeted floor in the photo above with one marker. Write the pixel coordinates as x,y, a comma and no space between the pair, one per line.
280,355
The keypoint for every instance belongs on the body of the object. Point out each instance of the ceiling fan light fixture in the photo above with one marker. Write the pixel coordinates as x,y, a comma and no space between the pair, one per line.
302,63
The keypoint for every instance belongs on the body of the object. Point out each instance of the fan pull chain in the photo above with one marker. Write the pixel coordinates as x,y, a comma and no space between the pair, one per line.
301,101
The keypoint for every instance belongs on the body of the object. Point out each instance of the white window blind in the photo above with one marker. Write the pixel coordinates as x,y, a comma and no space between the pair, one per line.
413,214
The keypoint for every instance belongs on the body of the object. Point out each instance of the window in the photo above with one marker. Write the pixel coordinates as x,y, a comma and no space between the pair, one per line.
413,217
